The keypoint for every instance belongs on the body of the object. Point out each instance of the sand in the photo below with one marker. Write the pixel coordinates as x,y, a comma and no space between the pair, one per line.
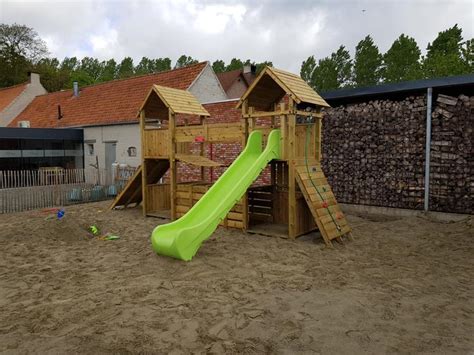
403,286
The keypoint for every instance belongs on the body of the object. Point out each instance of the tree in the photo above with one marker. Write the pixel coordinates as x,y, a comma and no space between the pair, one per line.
162,64
467,51
367,63
184,61
402,60
125,68
21,41
69,64
325,75
343,64
92,67
145,66
444,55
218,66
234,64
262,65
109,71
20,48
82,77
52,78
307,69
328,73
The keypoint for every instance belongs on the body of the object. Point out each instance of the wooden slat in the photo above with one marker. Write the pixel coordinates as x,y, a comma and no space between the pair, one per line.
330,220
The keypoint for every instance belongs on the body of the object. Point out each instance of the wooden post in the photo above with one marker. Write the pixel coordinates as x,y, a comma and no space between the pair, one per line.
173,170
245,130
284,132
144,169
317,130
203,145
291,171
251,119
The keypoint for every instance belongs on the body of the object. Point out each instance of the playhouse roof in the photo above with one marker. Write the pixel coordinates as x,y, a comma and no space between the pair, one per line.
160,99
273,84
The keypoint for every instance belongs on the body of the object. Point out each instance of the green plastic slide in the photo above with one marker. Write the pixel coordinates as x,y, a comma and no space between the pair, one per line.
182,238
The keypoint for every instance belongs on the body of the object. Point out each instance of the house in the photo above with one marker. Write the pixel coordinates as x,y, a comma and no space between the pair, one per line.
14,99
236,82
107,112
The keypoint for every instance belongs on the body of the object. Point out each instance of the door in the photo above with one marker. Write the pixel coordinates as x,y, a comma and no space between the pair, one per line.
110,158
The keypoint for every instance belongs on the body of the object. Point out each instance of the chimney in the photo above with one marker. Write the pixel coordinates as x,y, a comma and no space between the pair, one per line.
247,68
75,89
34,78
253,69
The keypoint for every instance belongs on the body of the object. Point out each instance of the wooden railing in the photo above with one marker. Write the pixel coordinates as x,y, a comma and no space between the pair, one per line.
155,141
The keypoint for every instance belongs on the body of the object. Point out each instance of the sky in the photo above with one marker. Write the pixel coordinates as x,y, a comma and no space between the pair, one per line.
285,32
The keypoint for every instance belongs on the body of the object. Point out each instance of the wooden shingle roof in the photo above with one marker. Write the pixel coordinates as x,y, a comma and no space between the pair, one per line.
180,101
272,84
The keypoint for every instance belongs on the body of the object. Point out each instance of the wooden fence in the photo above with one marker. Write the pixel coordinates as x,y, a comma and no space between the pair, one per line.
55,187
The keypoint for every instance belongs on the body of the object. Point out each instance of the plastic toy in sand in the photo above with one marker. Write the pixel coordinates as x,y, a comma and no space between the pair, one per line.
94,230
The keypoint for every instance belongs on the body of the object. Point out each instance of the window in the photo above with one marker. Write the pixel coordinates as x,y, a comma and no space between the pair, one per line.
90,149
132,151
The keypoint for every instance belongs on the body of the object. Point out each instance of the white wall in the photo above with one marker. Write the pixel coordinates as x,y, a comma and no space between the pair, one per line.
125,136
207,87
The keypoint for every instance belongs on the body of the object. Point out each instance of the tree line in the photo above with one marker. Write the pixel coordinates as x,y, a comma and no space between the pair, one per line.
447,55
22,50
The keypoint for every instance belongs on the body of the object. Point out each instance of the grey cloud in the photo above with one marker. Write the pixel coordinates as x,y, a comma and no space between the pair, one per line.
285,32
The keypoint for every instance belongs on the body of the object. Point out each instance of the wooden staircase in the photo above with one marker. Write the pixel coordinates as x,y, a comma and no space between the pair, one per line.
326,212
132,192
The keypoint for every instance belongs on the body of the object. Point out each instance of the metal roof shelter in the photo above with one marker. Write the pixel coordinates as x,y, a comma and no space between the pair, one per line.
452,84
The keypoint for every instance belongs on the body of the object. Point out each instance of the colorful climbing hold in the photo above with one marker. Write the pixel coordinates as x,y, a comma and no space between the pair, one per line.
325,204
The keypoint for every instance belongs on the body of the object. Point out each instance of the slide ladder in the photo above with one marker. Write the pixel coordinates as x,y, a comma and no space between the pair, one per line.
326,212
182,238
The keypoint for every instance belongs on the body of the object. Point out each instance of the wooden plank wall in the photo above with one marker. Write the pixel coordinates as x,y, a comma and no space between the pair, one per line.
155,143
158,197
260,204
188,194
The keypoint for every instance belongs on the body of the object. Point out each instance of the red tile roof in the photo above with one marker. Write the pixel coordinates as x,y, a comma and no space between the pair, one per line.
111,102
228,78
7,95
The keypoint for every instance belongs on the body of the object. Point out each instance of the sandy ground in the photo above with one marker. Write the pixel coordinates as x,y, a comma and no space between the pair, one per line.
403,286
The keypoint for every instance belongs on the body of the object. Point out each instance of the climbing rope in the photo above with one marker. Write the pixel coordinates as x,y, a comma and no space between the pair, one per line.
325,204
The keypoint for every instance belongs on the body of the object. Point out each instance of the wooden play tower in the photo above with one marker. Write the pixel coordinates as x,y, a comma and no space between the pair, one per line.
176,129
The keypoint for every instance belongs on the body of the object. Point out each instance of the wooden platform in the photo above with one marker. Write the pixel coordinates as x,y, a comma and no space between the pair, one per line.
270,229
326,212
197,160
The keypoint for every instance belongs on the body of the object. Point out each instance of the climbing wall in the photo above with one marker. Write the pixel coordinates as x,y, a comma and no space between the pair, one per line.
326,212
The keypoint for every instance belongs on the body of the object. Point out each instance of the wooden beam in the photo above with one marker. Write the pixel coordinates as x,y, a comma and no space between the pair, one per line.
257,114
173,170
245,130
291,172
144,167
